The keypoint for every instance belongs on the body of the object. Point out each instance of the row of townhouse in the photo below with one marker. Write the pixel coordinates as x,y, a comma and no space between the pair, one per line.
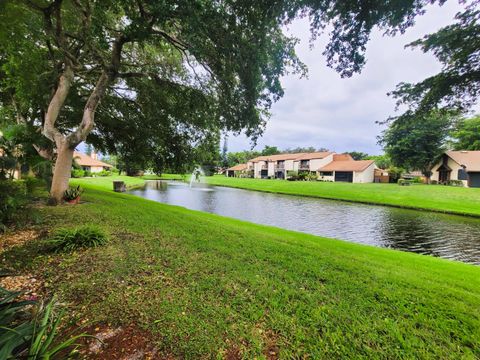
327,166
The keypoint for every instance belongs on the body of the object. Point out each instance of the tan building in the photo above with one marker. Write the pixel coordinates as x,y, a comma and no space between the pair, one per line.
237,170
90,163
344,167
458,165
348,170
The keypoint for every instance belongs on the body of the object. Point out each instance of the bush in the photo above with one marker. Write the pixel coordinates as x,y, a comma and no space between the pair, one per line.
434,182
88,173
78,173
458,183
67,240
13,198
103,173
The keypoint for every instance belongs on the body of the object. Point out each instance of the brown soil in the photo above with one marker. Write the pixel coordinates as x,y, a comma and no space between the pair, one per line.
122,343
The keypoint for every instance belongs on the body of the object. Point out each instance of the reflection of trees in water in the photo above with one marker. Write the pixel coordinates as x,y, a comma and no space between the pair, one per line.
433,234
156,185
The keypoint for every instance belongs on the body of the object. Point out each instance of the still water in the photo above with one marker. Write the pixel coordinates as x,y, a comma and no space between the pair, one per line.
447,236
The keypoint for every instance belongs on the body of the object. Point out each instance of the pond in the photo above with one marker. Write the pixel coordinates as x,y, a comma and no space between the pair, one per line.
447,236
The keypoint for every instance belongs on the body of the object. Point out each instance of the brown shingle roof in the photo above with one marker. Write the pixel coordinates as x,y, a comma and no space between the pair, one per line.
238,167
294,156
85,160
342,157
471,159
347,165
314,155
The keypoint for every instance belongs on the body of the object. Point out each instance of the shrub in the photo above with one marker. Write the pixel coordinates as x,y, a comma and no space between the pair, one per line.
311,177
67,240
88,173
78,173
458,183
104,173
13,198
434,182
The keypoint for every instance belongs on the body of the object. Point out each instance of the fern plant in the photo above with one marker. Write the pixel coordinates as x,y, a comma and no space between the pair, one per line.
67,240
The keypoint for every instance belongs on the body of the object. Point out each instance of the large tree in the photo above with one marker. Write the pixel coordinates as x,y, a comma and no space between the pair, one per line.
228,54
415,143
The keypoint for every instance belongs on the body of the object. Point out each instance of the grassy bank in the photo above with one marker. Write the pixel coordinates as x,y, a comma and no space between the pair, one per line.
205,286
448,199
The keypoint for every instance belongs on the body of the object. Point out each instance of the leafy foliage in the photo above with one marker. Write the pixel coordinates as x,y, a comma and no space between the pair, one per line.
466,134
415,142
358,155
72,193
13,198
67,240
22,336
457,85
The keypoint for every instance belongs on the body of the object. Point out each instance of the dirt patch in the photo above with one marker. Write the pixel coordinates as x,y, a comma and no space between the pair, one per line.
19,238
122,343
31,286
272,351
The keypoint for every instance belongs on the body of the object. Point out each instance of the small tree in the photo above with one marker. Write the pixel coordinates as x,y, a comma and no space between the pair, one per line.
414,142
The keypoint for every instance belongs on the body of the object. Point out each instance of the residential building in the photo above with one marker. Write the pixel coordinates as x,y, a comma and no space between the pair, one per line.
90,163
237,170
327,165
344,170
458,165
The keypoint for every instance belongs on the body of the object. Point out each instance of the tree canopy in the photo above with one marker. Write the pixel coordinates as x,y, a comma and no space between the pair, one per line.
416,143
148,72
466,134
457,85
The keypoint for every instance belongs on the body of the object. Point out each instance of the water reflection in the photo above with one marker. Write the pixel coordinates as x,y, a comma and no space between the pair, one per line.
448,236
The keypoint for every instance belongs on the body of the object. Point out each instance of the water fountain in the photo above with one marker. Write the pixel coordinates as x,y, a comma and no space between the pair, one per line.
196,175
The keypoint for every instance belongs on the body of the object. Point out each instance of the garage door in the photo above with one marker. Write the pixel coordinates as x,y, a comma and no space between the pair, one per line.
345,176
474,179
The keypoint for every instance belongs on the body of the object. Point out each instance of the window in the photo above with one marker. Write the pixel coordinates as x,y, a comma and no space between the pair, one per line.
326,173
462,174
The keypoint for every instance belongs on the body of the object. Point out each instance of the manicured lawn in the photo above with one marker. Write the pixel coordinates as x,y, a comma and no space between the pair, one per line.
164,177
206,286
429,197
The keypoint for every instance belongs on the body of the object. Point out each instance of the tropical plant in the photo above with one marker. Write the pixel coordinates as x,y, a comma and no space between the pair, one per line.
67,240
25,337
72,193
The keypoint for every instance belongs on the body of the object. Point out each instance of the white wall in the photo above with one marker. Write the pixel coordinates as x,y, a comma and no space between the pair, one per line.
453,175
316,164
365,176
271,168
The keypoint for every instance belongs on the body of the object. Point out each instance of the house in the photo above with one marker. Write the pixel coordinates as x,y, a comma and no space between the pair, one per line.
458,165
343,167
90,163
236,171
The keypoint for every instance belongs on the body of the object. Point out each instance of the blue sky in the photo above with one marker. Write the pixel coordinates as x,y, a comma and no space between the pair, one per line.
340,114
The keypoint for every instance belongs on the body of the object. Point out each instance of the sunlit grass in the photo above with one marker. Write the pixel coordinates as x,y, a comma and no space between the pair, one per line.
206,286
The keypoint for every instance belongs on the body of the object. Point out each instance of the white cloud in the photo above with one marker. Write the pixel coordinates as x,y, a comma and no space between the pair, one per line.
340,114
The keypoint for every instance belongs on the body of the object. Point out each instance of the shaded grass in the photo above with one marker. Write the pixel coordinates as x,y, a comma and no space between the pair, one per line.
164,177
204,285
449,199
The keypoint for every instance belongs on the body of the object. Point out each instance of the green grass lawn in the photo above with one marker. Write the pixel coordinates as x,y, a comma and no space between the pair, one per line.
428,197
206,286
164,177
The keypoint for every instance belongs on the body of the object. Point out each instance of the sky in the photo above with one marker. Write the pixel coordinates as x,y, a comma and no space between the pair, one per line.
326,111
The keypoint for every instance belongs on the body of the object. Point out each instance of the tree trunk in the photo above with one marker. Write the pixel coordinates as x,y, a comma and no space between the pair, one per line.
61,173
